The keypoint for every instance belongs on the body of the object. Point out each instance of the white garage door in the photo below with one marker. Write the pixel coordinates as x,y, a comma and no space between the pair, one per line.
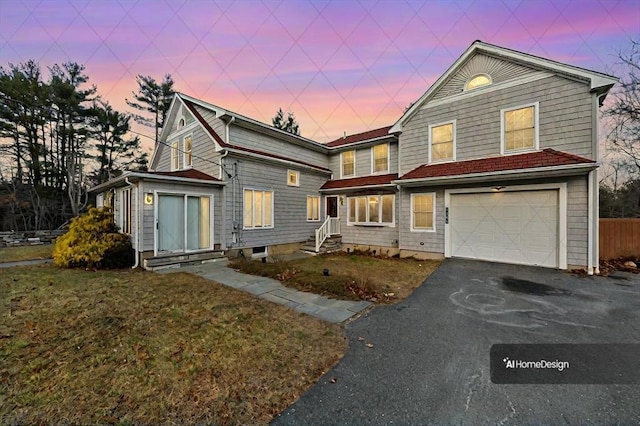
513,227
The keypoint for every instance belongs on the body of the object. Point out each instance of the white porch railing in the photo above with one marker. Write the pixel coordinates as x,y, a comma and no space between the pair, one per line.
334,226
330,226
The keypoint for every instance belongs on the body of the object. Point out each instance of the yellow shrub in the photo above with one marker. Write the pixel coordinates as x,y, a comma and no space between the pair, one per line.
93,241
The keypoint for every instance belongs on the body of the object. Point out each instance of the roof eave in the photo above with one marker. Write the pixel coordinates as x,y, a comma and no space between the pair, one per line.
138,176
514,174
390,136
355,188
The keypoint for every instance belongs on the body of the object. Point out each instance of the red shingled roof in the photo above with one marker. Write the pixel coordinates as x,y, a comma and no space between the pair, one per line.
360,181
223,144
546,158
190,173
360,137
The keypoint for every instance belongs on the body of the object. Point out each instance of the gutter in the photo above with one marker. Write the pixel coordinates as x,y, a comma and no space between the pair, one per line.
551,171
352,188
150,176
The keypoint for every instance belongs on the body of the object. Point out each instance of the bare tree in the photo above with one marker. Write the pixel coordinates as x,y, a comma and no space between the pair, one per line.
624,113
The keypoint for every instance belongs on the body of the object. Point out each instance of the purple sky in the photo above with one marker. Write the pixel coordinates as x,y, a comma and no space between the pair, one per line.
338,65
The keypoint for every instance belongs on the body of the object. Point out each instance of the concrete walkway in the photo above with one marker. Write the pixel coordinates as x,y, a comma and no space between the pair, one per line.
331,310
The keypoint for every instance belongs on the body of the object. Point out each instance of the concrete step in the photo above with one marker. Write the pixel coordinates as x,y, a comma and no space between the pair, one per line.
178,259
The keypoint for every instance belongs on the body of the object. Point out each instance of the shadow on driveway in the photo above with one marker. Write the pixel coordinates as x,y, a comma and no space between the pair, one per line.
429,363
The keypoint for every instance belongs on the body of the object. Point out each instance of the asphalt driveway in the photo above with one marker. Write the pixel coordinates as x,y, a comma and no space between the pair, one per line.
429,363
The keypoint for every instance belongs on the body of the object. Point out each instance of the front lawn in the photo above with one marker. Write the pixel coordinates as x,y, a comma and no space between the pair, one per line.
124,347
14,254
350,276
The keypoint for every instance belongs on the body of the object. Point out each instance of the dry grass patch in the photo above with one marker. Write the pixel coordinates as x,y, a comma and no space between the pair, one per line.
123,347
351,276
15,254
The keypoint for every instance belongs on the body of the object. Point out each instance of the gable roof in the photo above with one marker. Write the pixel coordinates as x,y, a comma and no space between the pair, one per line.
599,82
546,158
211,131
358,182
360,137
252,123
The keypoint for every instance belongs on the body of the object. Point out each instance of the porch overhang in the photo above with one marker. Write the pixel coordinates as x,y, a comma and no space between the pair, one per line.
348,189
134,177
502,175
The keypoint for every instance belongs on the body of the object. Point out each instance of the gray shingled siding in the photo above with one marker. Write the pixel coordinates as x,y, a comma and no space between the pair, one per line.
499,70
577,223
215,123
385,236
254,140
174,188
564,121
577,220
290,203
432,242
363,161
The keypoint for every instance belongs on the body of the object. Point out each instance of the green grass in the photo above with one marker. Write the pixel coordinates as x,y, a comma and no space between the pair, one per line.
125,347
351,276
15,254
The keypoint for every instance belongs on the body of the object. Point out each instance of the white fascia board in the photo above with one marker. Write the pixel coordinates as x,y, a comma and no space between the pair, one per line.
534,173
347,147
150,176
353,188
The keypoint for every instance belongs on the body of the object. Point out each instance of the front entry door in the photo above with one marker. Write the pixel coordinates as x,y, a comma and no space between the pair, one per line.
332,206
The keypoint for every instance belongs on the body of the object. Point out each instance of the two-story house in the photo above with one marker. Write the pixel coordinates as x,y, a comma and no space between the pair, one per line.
496,161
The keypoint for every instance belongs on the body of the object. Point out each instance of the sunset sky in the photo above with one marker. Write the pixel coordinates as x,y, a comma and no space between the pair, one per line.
338,65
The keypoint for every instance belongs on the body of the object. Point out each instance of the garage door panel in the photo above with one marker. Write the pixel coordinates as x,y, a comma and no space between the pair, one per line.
515,227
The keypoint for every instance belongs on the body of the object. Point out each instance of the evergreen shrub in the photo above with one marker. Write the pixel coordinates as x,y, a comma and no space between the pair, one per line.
93,241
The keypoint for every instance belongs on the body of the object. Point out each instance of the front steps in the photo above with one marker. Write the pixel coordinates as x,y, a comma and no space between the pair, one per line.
331,244
179,259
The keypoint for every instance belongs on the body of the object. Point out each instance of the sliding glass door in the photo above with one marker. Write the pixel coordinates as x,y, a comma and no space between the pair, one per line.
183,223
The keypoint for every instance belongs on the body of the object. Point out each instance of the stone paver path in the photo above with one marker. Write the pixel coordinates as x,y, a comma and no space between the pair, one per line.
335,311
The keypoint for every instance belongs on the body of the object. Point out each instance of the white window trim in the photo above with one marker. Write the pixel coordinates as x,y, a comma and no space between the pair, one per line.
297,173
121,215
413,229
319,199
391,224
536,129
477,75
184,152
373,164
273,202
431,126
342,175
157,193
174,147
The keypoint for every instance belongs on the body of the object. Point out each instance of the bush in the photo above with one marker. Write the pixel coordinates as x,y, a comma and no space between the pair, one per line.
93,241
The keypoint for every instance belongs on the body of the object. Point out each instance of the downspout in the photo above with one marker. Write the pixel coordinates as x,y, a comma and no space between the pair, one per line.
137,236
223,202
233,178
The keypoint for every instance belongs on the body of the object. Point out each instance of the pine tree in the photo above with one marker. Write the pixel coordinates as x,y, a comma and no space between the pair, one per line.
152,98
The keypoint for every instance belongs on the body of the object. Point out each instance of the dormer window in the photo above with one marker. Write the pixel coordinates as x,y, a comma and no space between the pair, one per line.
477,81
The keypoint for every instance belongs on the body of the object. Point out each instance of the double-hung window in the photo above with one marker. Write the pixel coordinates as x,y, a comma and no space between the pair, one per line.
313,208
520,129
423,212
348,163
442,142
174,156
258,209
380,158
371,210
186,152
